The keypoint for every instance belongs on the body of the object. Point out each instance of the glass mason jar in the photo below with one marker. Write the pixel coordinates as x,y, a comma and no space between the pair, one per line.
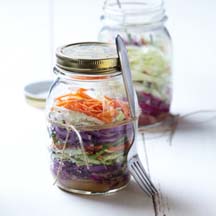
141,24
89,120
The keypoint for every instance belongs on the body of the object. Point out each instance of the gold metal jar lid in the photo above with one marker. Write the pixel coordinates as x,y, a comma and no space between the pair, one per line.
88,57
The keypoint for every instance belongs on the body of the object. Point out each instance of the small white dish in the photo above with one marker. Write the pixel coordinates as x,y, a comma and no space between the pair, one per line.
37,92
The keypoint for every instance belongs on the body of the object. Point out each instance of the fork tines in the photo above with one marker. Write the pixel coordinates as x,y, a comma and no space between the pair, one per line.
141,176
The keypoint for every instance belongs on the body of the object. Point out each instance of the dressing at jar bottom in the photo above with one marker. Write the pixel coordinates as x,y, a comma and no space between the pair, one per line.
87,189
93,187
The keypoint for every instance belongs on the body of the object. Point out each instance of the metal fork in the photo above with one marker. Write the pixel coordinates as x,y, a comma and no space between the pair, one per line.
135,166
139,173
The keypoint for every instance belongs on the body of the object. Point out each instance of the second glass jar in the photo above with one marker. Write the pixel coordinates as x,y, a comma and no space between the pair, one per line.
141,24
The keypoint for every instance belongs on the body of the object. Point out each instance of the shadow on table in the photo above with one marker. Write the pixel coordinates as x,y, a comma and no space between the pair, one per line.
133,199
197,122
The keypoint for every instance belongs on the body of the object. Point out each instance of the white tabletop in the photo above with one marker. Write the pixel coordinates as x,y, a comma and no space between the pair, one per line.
184,170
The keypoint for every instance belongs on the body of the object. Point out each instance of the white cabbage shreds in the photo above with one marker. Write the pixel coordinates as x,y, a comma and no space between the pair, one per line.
72,117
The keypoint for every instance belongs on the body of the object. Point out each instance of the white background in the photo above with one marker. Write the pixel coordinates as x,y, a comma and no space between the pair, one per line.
28,38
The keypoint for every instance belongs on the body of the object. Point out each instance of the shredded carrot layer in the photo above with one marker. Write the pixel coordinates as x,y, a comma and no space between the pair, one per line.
102,110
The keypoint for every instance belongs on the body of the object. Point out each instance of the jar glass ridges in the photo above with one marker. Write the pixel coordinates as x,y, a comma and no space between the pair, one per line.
141,24
89,121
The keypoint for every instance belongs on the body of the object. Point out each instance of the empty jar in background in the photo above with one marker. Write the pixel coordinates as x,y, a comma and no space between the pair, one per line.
141,24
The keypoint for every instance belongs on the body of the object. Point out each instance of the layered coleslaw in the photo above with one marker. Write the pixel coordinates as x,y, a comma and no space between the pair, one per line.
90,141
151,72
